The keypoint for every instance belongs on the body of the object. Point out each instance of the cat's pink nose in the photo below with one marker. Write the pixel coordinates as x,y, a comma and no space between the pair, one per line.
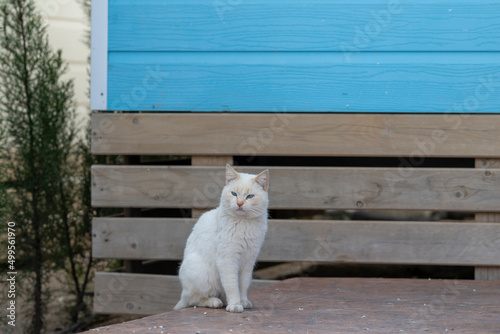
240,204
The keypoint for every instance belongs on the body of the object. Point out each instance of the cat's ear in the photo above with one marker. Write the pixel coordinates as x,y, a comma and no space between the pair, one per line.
231,174
263,179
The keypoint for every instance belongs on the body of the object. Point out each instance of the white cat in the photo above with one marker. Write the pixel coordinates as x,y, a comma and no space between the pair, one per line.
221,251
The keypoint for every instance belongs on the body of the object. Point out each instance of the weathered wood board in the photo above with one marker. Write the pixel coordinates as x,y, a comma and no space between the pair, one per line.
302,187
450,243
278,134
141,293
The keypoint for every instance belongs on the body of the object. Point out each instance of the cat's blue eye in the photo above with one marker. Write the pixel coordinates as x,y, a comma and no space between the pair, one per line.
250,196
234,194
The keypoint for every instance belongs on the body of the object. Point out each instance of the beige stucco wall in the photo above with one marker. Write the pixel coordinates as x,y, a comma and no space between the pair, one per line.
67,27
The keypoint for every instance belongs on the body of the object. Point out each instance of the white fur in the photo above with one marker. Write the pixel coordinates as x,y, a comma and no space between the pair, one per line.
221,251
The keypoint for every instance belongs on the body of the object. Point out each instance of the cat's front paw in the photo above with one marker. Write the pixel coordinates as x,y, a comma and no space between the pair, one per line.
234,308
212,302
246,303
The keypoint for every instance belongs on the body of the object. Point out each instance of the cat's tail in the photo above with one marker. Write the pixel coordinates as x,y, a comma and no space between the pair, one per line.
181,304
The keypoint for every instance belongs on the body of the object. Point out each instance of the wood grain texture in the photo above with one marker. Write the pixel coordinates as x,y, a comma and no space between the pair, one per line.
304,82
207,160
343,305
302,187
278,134
125,293
288,269
318,241
487,273
284,25
487,163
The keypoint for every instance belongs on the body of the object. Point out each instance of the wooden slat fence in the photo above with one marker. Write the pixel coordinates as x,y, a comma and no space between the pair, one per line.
213,139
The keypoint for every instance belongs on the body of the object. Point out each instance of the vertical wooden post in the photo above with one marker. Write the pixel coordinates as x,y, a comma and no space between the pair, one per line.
132,266
205,160
487,273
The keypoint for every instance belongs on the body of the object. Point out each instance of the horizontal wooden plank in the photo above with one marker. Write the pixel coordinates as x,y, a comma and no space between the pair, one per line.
304,81
405,188
447,243
284,25
279,134
124,293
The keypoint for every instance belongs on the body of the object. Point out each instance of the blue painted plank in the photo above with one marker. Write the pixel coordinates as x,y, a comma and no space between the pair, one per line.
299,25
305,81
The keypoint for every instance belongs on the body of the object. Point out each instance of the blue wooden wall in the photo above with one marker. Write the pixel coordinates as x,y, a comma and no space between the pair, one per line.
304,56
